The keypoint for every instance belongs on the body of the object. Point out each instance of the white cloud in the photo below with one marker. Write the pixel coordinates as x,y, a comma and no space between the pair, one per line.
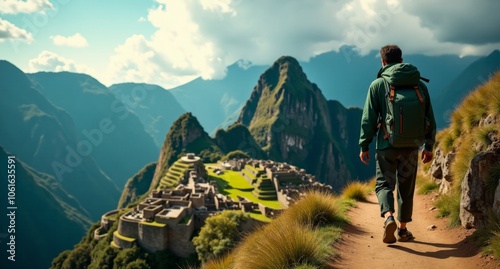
136,61
460,21
49,61
10,31
76,40
20,6
201,38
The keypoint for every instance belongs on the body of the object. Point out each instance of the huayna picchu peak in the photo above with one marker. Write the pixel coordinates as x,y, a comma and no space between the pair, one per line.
290,119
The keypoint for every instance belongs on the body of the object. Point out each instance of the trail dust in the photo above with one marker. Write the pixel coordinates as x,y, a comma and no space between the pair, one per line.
362,247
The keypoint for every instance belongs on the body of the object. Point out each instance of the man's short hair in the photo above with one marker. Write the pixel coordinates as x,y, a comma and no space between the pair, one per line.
391,54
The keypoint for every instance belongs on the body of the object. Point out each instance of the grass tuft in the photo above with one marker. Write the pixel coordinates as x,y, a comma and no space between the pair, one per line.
283,245
449,206
225,262
357,191
316,209
425,184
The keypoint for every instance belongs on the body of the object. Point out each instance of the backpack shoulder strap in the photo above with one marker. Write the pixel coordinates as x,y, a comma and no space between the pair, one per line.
419,95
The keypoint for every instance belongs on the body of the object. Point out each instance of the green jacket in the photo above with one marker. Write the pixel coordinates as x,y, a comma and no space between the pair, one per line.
400,74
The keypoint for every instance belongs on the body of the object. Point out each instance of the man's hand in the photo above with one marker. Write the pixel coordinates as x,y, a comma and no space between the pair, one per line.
427,156
364,156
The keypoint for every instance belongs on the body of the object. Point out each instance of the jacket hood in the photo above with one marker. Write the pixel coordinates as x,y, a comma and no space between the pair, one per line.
400,74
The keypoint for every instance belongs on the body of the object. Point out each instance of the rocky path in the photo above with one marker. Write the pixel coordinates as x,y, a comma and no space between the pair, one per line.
362,245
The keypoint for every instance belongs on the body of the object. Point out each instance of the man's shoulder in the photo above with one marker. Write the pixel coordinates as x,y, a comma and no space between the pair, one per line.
377,84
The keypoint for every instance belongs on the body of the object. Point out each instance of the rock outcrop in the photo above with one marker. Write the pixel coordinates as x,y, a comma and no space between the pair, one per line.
440,170
478,196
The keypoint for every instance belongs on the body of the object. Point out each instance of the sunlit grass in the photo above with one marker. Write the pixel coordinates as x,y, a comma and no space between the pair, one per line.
220,263
233,184
357,191
449,206
316,209
301,237
282,244
425,184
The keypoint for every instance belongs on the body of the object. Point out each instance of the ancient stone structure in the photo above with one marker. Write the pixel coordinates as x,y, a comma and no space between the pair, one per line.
167,218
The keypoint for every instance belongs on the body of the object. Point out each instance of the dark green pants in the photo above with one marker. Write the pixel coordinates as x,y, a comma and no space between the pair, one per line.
396,168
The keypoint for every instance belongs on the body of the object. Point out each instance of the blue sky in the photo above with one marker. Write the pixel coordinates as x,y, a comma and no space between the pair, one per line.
169,42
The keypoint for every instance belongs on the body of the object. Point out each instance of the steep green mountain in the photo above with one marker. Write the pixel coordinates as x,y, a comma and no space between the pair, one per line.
44,219
114,135
291,120
155,107
45,137
346,129
476,74
238,137
185,136
214,102
137,185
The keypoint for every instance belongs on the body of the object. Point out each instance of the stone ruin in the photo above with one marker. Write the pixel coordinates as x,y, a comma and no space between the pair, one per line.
167,218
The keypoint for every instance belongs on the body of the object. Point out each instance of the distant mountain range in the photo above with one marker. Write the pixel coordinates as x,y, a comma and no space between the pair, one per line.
155,107
343,76
475,75
116,137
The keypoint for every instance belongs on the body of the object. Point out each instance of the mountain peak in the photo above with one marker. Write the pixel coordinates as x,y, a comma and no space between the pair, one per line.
287,59
12,75
185,136
494,54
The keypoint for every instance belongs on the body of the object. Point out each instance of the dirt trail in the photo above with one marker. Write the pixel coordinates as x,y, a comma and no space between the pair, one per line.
362,245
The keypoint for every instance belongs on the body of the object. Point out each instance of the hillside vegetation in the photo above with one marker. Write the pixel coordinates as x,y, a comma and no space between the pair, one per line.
474,126
474,130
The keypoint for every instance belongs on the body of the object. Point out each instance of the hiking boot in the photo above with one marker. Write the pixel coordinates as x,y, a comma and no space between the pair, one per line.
390,227
404,235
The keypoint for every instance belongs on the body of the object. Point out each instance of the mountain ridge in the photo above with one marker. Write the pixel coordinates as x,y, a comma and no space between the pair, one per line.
105,123
155,107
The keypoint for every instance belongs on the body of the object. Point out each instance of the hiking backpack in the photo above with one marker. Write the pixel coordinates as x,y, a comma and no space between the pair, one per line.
405,123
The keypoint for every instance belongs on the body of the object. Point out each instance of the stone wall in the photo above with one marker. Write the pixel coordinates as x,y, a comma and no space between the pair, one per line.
122,243
152,236
106,223
128,227
180,238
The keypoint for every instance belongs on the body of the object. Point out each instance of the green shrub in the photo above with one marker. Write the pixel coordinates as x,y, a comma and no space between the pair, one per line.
236,154
219,234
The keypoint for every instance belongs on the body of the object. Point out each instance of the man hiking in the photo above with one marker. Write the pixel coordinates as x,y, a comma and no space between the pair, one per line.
398,107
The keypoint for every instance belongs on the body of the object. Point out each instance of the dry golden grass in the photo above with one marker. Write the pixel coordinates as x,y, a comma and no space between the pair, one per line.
358,191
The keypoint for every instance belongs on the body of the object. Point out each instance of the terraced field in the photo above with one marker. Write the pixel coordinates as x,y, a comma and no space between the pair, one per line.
234,184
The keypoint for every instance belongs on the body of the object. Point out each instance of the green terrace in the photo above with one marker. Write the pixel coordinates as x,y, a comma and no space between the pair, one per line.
234,184
174,175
